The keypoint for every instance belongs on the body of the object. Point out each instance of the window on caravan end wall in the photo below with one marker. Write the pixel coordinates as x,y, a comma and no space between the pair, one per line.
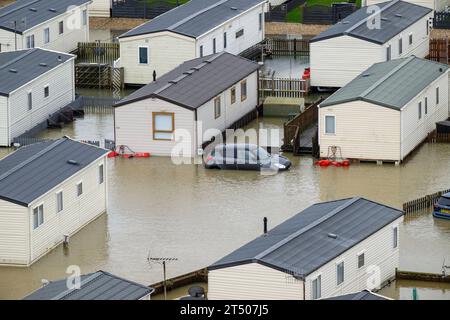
437,95
260,21
101,174
163,126
426,105
244,90
224,40
201,51
420,110
361,258
30,100
233,95
330,124
46,35
38,216
395,240
214,45
316,289
340,273
410,39
400,46
85,18
143,55
30,41
61,27
388,53
79,189
240,33
59,202
427,26
46,91
217,107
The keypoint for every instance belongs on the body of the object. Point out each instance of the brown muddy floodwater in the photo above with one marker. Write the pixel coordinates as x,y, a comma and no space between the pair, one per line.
157,208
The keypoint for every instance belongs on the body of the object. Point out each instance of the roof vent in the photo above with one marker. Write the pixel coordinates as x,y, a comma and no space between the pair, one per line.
173,82
33,9
398,15
233,8
345,22
73,162
384,19
13,70
440,69
332,236
52,9
59,58
42,64
366,75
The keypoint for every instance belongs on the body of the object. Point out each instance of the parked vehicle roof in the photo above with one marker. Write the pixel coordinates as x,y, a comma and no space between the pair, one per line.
390,84
447,195
30,13
32,171
363,295
314,237
195,18
394,17
197,81
99,285
17,68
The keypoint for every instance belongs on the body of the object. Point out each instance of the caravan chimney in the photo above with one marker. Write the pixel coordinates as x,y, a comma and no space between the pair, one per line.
265,225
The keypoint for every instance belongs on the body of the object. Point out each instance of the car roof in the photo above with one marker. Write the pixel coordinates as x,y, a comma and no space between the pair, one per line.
446,195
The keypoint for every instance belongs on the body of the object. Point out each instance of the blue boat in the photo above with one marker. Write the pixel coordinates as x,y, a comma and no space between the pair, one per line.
442,207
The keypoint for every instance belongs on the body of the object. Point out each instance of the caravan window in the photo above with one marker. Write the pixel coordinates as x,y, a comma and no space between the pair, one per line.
163,126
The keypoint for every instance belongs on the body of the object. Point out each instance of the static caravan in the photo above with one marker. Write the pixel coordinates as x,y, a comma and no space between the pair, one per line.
386,112
193,30
339,54
329,249
187,106
48,192
100,8
436,5
100,285
34,84
52,24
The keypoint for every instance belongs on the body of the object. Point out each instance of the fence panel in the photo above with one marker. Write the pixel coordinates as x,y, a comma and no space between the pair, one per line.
422,203
440,50
283,87
288,47
441,20
96,52
144,9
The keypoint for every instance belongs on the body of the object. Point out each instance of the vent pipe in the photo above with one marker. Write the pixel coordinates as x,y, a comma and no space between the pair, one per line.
265,225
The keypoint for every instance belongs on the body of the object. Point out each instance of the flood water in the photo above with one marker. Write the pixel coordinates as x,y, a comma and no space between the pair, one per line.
159,209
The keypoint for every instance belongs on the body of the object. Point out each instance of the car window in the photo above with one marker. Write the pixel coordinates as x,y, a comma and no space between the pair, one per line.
444,202
263,154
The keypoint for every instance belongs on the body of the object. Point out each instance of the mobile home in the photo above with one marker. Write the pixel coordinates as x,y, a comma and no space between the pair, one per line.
386,112
48,192
399,29
34,84
193,30
181,108
100,285
329,249
436,5
52,24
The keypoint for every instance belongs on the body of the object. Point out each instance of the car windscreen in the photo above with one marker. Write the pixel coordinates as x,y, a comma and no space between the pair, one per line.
444,201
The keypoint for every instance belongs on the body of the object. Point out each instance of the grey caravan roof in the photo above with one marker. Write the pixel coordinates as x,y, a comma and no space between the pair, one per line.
363,295
100,285
304,243
390,84
30,13
17,68
33,170
396,16
197,81
195,17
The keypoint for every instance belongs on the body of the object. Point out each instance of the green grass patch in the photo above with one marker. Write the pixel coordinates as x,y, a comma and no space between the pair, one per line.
295,15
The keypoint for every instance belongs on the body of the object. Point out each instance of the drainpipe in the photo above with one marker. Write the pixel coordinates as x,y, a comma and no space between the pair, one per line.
195,140
304,289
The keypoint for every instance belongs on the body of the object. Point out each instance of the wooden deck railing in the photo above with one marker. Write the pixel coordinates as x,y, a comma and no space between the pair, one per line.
435,137
295,127
440,50
424,202
282,87
288,47
96,52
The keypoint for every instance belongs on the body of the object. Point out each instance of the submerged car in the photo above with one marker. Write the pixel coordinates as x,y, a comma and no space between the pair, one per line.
442,207
245,157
